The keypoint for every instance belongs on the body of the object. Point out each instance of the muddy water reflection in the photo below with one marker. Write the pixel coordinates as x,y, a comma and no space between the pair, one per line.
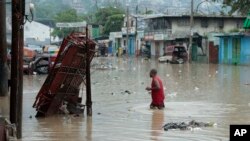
206,93
157,123
4,106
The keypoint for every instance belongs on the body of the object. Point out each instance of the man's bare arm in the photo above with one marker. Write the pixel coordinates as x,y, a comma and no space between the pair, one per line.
156,85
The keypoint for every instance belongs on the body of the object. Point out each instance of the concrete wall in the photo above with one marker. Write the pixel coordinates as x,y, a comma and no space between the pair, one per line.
152,48
160,48
229,24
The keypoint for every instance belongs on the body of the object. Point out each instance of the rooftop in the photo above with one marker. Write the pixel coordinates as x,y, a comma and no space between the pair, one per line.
152,16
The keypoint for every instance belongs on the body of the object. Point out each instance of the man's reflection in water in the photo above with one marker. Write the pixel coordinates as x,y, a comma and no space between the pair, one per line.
157,124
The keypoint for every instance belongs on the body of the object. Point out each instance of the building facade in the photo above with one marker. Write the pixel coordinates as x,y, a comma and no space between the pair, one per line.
115,39
164,30
129,35
234,49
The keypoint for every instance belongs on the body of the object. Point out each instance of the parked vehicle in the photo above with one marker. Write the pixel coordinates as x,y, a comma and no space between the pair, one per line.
174,54
28,56
102,50
45,61
38,49
42,64
146,51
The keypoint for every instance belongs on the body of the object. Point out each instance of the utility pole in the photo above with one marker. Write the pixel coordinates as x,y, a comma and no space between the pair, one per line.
3,51
136,41
191,30
20,69
127,27
14,62
88,78
16,93
96,4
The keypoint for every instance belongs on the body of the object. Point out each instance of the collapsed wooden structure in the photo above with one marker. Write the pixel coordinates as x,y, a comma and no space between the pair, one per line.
70,70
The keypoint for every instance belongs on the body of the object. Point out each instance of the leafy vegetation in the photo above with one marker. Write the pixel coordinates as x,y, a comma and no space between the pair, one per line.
66,16
48,9
113,23
241,6
111,18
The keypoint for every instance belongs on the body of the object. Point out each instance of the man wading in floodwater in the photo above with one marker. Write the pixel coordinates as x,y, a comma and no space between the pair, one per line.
157,92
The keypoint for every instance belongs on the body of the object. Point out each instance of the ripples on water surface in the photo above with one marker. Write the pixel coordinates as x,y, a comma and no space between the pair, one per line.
201,92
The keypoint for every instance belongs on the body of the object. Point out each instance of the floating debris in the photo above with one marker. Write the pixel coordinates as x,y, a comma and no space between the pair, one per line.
192,125
94,83
103,66
64,109
196,88
128,92
116,78
173,94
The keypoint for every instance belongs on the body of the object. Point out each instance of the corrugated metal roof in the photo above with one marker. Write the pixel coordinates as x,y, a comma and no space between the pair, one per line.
232,34
152,16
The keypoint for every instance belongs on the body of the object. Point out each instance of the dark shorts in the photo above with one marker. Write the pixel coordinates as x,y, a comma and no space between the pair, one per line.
157,106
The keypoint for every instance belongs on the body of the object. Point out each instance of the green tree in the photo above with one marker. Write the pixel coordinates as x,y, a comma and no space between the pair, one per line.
49,8
114,23
241,6
111,18
66,16
102,14
149,12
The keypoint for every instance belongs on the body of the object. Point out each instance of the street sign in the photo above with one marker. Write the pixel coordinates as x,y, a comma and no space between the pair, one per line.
73,24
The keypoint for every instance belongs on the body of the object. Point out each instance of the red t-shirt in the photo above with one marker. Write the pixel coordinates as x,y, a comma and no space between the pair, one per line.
157,95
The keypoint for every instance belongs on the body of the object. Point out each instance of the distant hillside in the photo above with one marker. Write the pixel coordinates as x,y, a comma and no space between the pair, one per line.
157,6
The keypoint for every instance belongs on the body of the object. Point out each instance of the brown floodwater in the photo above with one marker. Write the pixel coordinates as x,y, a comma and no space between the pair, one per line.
203,92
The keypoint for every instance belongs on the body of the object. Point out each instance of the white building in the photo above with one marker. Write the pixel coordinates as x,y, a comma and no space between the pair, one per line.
33,30
37,31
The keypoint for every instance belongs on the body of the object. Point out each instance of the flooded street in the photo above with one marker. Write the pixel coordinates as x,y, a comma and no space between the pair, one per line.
202,92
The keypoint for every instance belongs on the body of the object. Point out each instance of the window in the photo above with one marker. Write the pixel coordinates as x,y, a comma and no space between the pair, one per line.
158,24
183,22
132,23
124,42
239,24
221,23
204,23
